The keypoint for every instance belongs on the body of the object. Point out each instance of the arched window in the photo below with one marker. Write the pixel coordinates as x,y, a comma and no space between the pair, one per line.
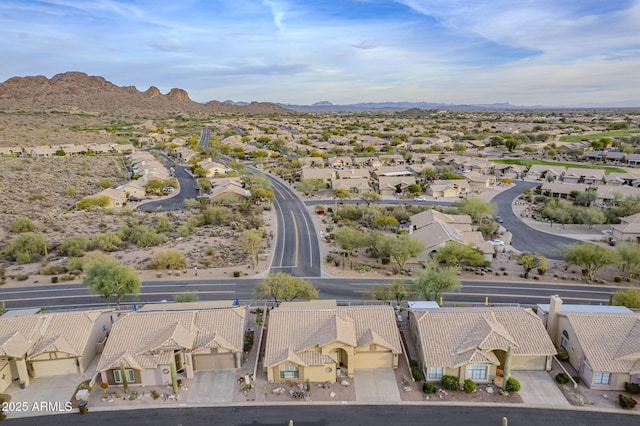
564,342
289,371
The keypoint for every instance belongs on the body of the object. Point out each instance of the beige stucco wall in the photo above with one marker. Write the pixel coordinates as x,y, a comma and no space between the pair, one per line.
96,335
6,378
574,349
313,373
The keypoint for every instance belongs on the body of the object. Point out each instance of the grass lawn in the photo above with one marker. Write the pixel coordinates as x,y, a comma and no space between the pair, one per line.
596,136
528,163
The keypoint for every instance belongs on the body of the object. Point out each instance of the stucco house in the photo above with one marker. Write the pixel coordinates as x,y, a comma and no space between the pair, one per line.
448,188
394,185
324,175
472,343
146,344
584,176
603,342
322,344
478,181
49,345
628,229
543,172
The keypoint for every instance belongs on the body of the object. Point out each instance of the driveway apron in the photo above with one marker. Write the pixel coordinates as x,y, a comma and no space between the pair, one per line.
376,385
211,387
538,388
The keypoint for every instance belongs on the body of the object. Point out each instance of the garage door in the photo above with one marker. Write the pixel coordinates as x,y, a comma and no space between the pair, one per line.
374,360
213,362
54,367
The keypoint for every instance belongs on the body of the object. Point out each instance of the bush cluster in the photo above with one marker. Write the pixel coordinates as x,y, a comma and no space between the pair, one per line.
469,386
450,383
627,401
428,388
632,388
562,378
563,355
512,385
416,372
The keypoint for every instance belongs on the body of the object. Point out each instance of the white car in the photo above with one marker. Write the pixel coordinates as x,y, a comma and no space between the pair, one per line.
497,242
419,199
168,189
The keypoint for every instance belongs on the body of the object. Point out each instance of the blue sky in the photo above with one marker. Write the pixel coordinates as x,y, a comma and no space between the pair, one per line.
526,52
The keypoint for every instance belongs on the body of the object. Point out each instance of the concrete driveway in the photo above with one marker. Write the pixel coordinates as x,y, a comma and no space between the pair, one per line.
44,395
538,388
376,385
213,386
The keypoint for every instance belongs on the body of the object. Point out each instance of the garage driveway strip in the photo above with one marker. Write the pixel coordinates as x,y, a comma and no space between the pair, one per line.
376,385
212,386
538,388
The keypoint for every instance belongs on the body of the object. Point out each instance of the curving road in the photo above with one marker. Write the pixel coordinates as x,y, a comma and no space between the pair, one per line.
525,238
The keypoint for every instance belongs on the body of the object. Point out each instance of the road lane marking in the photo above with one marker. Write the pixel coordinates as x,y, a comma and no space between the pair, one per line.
295,230
502,295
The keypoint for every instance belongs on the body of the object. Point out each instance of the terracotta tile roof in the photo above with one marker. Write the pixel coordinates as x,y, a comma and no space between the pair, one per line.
147,339
19,334
611,343
451,337
298,333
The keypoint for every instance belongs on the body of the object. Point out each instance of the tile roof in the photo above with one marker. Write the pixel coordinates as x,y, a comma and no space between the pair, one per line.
146,339
611,343
19,334
298,333
451,337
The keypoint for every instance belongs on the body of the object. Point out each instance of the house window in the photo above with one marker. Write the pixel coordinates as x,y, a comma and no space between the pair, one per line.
289,371
436,372
117,376
477,372
601,378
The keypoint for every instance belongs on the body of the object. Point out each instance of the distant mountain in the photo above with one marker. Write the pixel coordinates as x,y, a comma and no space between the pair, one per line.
79,92
415,107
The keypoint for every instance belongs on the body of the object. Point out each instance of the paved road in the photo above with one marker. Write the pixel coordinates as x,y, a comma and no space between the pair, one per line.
62,296
304,414
297,251
205,137
524,237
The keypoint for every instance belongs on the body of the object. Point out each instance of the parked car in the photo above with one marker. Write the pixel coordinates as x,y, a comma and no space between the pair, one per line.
499,219
497,242
168,189
419,199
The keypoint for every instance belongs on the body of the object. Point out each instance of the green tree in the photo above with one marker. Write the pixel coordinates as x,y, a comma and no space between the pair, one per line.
590,257
435,280
384,221
27,247
349,240
396,290
108,279
22,224
283,287
310,186
252,243
477,208
511,144
531,261
586,198
402,248
454,253
168,259
629,255
370,197
629,298
340,194
73,246
414,189
591,216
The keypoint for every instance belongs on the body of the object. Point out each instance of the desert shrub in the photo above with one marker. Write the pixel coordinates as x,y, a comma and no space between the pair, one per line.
22,277
155,394
54,280
108,241
67,277
576,379
53,269
26,247
105,183
236,274
188,297
145,236
91,202
632,388
168,259
416,371
22,224
184,230
469,386
450,383
563,355
428,388
512,385
627,402
216,215
163,224
74,246
563,378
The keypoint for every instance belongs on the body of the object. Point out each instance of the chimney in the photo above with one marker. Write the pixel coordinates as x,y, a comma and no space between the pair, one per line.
555,306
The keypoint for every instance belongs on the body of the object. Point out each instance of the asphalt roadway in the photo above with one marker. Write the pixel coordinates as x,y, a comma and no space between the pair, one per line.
65,296
324,415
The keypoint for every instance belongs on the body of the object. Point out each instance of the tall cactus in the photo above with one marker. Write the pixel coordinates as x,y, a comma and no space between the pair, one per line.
507,367
125,383
174,375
